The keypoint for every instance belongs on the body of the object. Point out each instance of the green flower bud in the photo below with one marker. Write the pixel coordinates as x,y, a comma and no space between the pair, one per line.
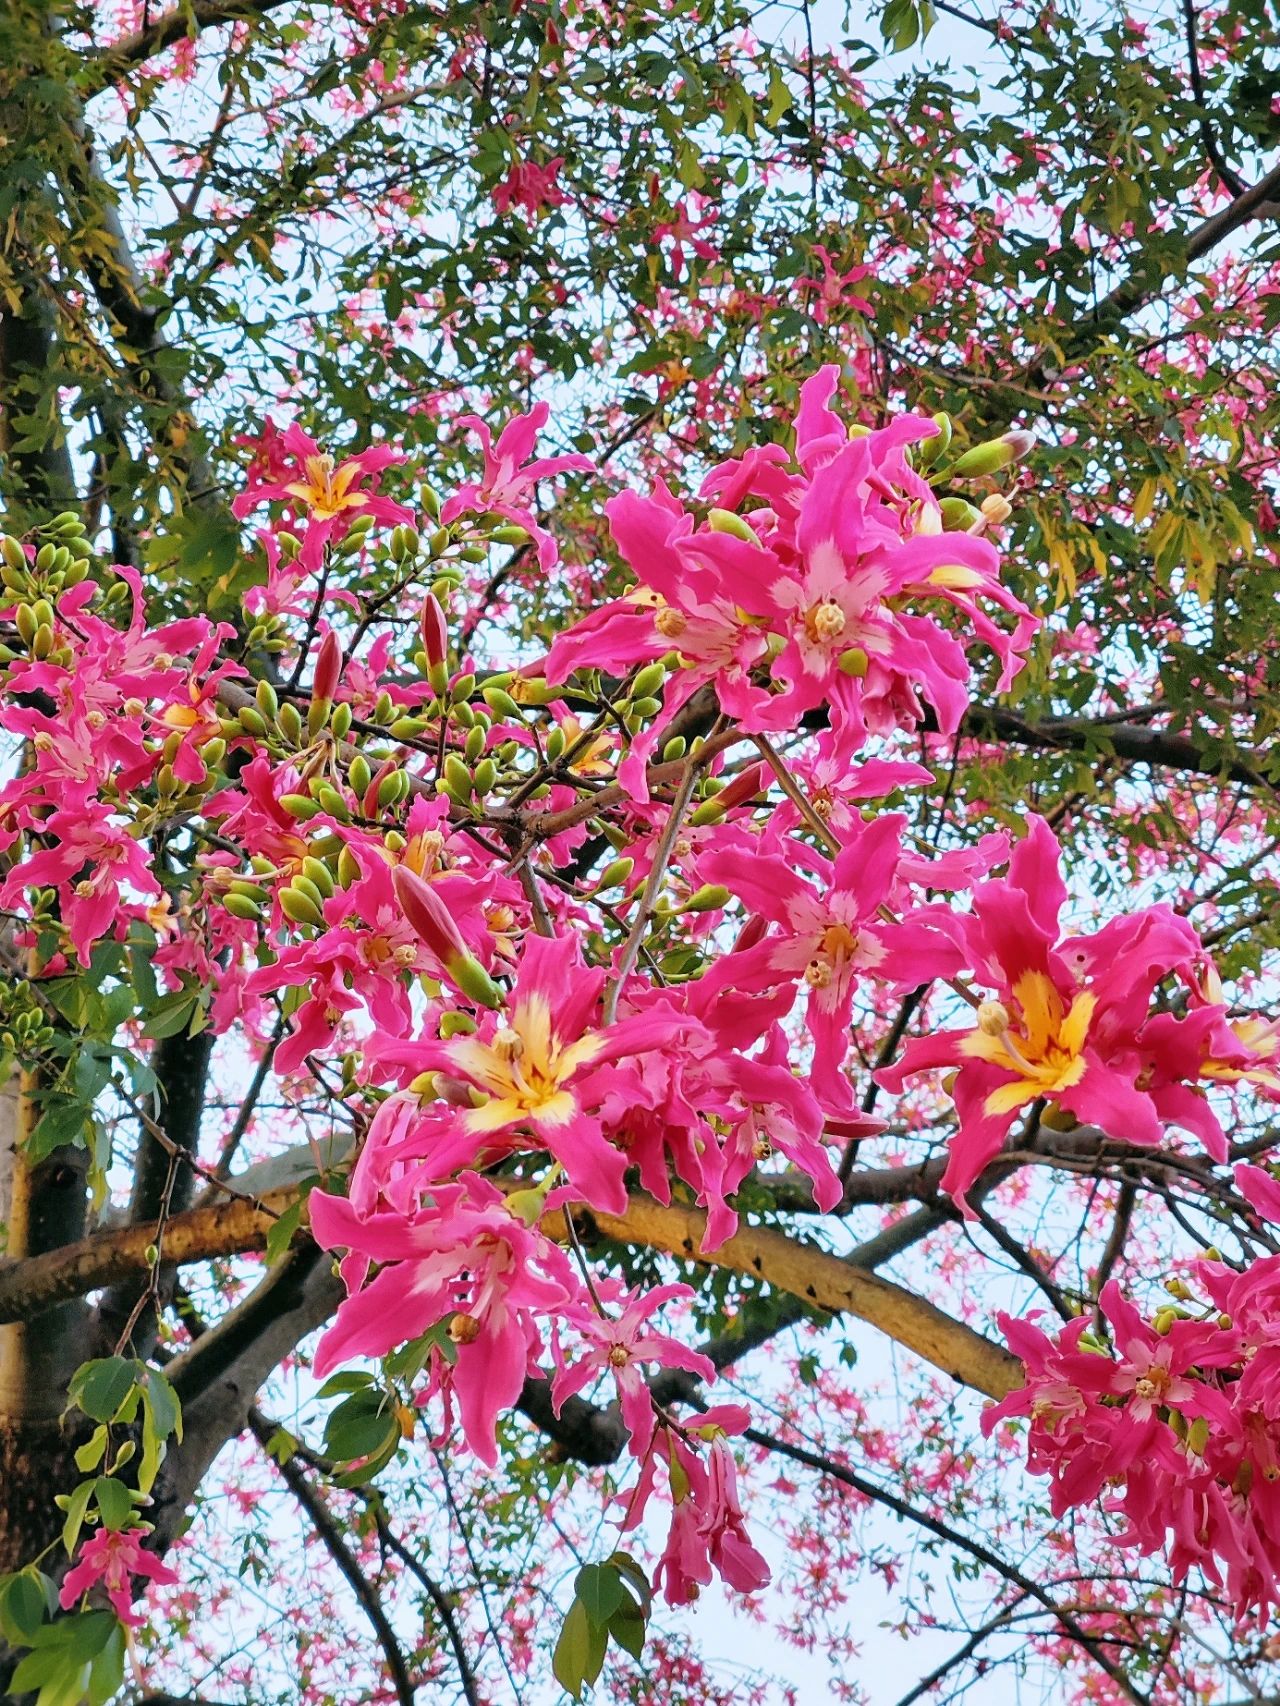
240,906
711,897
300,908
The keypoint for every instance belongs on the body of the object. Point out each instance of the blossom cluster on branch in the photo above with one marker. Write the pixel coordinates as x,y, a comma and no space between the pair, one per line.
547,933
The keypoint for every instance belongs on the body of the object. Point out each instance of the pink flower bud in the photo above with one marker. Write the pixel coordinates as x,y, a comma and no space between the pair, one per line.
429,916
435,631
328,668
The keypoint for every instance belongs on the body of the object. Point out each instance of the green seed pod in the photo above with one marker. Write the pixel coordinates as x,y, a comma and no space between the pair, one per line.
359,774
26,624
251,720
408,728
242,886
42,643
348,867
299,908
615,873
474,553
507,751
725,521
645,707
268,700
393,786
14,555
76,571
464,716
42,610
299,806
457,778
439,541
44,558
289,722
979,459
486,775
649,680
340,721
332,802
61,561
319,873
431,501
675,749
958,515
474,749
710,811
475,983
556,742
463,688
240,906
261,866
303,885
385,709
500,702
510,534
711,897
213,752
66,521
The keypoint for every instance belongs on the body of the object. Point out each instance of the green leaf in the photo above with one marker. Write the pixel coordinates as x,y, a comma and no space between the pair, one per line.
23,1604
579,1654
100,1387
173,1014
106,1674
280,1234
76,1505
114,1502
599,1589
628,1629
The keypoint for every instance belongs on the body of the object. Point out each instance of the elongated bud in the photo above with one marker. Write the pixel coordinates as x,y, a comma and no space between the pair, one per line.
709,898
995,454
725,521
434,925
328,668
745,786
435,630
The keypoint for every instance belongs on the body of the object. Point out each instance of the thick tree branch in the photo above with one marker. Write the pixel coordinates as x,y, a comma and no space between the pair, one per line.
812,1275
106,64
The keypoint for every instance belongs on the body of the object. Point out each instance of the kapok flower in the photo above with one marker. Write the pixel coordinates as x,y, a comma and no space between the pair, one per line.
708,1530
109,1559
831,936
325,496
620,1344
463,1259
1064,1023
511,471
543,1068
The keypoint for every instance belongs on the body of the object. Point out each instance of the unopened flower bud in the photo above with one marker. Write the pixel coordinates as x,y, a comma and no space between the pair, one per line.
434,630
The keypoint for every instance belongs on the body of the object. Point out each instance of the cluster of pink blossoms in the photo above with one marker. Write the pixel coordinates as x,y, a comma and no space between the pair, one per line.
1174,1421
425,895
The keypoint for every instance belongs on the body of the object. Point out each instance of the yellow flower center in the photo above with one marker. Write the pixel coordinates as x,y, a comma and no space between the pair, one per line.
325,489
825,622
524,1069
1046,1056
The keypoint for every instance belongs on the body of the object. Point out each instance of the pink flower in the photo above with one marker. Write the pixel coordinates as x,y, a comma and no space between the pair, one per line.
110,1558
324,497
831,936
708,1531
507,486
544,1069
461,1260
530,186
619,1344
1064,1022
